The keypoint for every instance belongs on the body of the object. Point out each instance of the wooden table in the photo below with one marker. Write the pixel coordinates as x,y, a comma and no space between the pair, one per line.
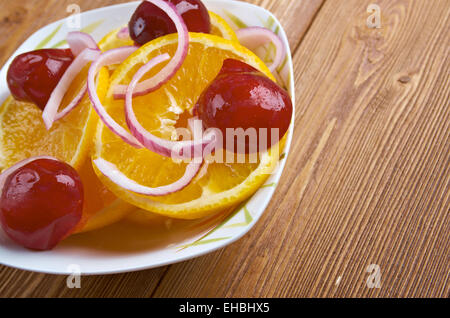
367,179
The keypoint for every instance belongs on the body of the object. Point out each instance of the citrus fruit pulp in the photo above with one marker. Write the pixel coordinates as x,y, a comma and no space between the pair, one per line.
23,133
218,185
101,207
221,28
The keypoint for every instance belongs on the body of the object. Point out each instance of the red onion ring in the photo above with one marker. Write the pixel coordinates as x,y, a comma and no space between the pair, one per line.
74,103
123,33
110,171
78,41
113,56
155,82
253,37
51,108
179,149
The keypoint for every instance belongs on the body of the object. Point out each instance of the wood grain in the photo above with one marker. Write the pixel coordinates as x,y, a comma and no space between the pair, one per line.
20,19
366,182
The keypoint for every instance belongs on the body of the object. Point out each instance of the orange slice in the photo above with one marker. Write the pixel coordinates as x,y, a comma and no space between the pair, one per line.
221,28
101,207
111,41
23,134
218,186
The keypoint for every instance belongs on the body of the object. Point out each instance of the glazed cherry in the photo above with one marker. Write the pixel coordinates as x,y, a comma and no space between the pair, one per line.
150,22
32,76
235,66
242,97
41,203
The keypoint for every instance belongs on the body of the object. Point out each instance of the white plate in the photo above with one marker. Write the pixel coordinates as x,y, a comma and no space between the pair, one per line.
125,247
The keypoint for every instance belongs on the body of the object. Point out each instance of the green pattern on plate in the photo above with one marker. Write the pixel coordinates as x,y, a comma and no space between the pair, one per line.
273,184
238,22
221,225
88,29
202,242
49,37
248,220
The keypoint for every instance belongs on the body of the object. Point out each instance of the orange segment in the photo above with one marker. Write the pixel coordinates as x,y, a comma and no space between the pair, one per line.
111,41
23,134
220,185
101,207
221,28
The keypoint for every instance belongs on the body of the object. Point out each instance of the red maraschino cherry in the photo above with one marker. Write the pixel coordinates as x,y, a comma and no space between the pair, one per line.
41,203
150,22
242,97
32,76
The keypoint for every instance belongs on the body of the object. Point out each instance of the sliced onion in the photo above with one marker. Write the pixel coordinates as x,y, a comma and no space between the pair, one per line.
155,82
74,103
51,108
115,175
110,57
78,41
179,149
7,172
253,37
123,33
111,171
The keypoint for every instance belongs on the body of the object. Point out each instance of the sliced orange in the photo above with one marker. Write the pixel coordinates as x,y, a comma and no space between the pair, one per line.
219,186
221,28
23,134
101,207
111,41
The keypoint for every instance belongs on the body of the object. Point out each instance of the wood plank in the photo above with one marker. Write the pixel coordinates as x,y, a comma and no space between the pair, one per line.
18,283
367,179
22,18
295,16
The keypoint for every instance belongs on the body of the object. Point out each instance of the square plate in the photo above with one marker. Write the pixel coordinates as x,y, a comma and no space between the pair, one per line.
167,241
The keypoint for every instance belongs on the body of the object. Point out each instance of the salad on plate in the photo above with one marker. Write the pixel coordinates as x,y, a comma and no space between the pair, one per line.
174,114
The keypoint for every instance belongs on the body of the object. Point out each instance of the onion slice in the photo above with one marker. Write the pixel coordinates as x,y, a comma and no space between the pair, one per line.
74,103
178,149
78,41
253,37
123,33
111,172
155,82
110,57
51,108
